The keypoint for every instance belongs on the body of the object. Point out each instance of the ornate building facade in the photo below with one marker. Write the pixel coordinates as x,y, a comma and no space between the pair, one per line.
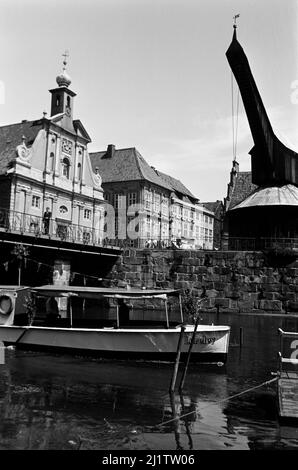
45,168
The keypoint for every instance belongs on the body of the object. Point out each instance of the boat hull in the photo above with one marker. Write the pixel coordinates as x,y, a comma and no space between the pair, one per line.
210,345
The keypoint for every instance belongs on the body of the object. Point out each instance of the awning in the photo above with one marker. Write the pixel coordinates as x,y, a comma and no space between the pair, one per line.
102,292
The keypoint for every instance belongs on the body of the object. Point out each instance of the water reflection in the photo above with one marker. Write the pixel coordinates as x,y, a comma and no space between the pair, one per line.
61,402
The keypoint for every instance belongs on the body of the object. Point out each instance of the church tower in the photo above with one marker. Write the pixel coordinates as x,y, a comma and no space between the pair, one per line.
63,97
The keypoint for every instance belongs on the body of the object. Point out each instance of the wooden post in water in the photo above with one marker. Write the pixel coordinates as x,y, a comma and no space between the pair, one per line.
241,336
167,315
181,309
117,313
189,353
179,347
70,310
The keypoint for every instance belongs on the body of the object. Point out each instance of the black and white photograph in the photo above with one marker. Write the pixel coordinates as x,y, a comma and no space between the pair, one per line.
148,230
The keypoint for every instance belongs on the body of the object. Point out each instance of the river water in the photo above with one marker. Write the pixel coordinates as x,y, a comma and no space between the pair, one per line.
50,401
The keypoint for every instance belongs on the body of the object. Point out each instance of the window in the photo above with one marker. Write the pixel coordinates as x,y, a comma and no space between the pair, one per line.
68,101
87,214
132,198
79,171
164,230
57,100
35,201
63,210
148,199
185,213
51,161
164,207
119,201
156,202
185,230
65,167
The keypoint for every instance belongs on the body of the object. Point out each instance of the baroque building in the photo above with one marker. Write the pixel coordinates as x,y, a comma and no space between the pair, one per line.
50,168
51,199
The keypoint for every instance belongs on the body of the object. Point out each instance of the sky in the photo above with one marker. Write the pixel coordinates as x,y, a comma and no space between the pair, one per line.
153,74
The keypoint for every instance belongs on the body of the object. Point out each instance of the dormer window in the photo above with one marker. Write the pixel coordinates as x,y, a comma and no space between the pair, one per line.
65,167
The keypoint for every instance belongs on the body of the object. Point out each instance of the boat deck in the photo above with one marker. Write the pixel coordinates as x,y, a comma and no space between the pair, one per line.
288,395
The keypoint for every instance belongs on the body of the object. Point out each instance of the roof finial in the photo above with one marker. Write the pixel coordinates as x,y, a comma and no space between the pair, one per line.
65,55
235,20
63,79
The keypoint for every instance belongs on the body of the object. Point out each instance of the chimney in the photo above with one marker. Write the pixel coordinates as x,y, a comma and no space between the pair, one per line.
110,151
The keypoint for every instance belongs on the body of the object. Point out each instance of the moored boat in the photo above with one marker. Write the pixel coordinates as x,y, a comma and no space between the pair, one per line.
85,327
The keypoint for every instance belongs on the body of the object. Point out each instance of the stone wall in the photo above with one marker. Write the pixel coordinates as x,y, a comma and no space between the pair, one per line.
233,281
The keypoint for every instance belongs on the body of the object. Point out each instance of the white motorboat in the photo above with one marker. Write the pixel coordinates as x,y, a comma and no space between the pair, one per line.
85,327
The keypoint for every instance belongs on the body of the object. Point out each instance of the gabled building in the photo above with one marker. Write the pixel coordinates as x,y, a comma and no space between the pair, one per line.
168,213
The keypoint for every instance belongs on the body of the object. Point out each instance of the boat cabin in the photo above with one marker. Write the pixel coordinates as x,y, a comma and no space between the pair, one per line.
97,307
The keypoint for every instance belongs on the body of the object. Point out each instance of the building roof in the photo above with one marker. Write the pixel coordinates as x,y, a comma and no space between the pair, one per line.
286,195
243,187
129,165
213,206
11,136
176,185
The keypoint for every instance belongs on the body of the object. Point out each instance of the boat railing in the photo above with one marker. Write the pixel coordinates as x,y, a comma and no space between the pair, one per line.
288,351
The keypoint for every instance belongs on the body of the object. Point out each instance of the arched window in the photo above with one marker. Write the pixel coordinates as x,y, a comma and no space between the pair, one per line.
79,171
51,161
65,167
68,101
57,100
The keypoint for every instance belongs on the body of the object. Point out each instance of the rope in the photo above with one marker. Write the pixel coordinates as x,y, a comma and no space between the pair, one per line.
236,130
233,125
220,401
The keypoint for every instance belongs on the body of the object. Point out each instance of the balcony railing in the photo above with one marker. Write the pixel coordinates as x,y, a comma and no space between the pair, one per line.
26,224
257,244
58,229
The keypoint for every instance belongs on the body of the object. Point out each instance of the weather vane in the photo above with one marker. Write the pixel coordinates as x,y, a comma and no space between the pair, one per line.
65,55
235,20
